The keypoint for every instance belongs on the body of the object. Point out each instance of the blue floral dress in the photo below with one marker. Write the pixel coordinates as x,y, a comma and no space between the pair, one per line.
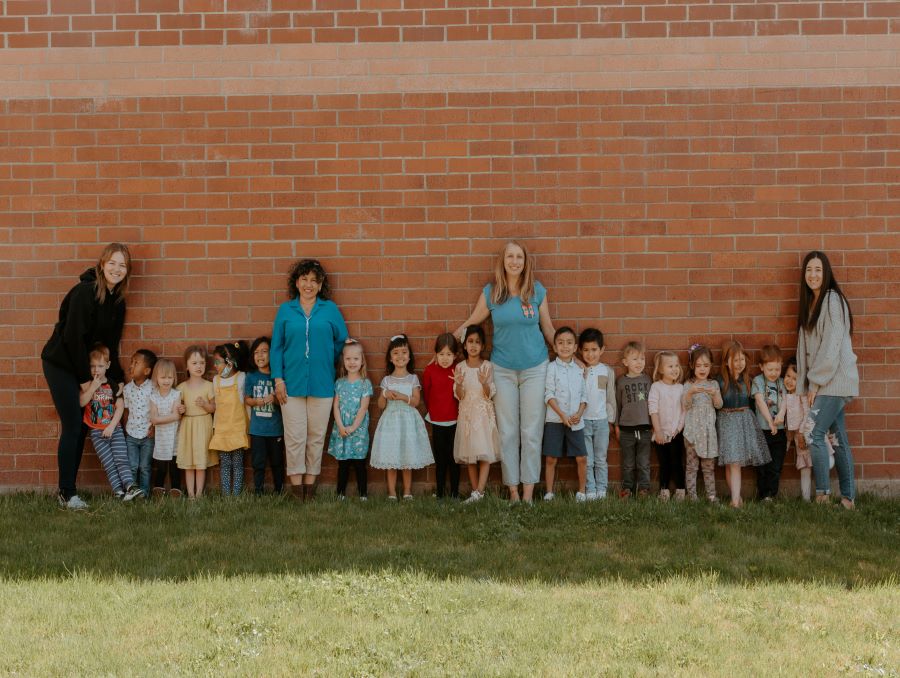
350,395
401,441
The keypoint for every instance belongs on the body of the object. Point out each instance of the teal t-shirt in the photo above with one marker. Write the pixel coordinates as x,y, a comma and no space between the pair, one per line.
518,343
773,393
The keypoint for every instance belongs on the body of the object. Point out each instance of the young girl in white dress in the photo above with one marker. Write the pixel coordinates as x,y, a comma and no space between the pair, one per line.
401,441
477,443
166,409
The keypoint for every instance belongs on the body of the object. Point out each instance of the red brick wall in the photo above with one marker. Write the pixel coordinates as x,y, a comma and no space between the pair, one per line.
668,187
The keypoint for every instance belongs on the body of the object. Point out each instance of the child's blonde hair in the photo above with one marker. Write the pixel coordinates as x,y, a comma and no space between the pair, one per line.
633,347
164,367
342,371
729,350
657,365
99,351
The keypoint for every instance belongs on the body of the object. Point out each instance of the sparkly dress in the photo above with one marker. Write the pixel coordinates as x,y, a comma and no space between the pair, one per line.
401,441
477,438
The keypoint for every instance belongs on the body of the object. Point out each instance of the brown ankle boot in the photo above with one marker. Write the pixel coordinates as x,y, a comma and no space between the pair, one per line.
296,492
310,491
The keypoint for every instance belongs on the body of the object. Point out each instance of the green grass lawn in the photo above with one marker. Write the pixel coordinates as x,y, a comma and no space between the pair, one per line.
267,587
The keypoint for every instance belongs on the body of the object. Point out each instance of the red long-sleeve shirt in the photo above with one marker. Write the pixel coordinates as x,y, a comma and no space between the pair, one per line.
437,388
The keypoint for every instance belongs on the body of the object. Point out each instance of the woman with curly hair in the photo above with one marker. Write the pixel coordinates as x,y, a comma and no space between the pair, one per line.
307,340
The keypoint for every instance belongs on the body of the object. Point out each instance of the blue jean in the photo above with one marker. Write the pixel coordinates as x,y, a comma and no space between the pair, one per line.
140,456
520,408
827,413
596,439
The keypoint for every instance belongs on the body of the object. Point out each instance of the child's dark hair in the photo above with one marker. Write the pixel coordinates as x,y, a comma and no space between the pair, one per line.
791,362
397,341
475,329
565,329
148,356
259,341
235,353
589,335
696,352
446,340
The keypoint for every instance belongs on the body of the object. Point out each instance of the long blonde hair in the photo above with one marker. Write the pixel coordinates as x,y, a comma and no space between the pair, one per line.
501,293
657,365
121,288
342,371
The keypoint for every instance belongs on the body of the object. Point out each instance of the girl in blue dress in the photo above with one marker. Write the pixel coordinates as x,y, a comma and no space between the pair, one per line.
401,441
349,442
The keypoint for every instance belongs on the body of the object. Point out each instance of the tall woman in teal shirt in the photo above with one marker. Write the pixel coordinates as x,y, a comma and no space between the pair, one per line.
307,339
517,305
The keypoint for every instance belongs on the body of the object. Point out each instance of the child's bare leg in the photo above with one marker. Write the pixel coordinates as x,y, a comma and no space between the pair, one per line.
392,482
733,474
484,468
407,482
806,484
549,473
201,481
189,480
582,473
472,470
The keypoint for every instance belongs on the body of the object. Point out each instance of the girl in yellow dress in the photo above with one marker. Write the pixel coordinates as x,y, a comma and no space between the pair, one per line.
195,431
230,426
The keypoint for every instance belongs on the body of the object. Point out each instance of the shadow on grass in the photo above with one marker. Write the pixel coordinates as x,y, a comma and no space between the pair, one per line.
634,541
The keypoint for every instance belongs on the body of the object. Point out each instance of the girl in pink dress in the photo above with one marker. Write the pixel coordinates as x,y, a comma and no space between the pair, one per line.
477,442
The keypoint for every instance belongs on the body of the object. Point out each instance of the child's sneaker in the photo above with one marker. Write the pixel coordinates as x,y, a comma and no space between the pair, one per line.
643,493
549,496
679,495
600,495
625,494
134,492
713,499
158,492
664,495
475,496
118,494
364,498
407,497
74,503
174,493
590,496
580,497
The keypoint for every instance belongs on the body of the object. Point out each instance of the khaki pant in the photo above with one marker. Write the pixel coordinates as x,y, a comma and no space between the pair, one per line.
305,422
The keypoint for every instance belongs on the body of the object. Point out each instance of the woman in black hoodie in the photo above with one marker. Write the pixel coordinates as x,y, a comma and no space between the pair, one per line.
92,312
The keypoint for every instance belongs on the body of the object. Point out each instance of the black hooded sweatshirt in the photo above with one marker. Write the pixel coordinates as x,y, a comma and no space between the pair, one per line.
83,322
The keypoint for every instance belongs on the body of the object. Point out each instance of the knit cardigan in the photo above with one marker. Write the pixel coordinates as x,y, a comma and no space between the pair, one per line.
825,357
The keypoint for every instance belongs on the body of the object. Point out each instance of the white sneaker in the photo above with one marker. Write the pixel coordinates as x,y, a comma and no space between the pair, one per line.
75,503
134,492
601,495
475,496
580,497
590,496
549,496
664,495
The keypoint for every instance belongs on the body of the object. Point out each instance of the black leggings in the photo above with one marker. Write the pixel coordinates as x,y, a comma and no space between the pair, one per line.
443,437
344,475
164,468
267,449
671,463
65,389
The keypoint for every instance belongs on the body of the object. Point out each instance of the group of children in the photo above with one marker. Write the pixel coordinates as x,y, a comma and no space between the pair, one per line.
199,423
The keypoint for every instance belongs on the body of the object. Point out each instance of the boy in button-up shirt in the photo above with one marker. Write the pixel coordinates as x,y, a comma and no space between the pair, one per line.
566,399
